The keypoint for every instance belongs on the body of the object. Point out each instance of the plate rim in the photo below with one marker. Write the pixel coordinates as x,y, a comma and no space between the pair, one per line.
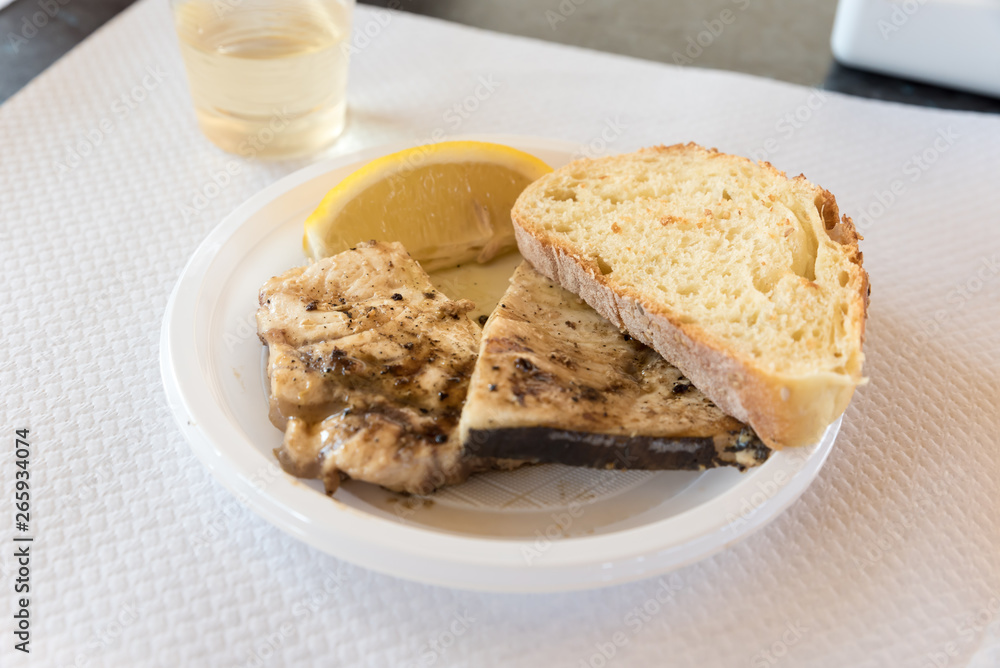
583,562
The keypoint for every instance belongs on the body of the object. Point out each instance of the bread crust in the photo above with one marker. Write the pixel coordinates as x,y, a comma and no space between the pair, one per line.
783,410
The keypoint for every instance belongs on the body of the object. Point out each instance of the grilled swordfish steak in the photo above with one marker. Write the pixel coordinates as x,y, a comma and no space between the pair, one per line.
556,382
368,367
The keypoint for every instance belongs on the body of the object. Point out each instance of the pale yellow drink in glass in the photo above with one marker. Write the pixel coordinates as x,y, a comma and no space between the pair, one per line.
267,77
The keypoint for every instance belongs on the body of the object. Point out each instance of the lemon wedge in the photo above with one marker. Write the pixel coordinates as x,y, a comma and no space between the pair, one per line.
448,203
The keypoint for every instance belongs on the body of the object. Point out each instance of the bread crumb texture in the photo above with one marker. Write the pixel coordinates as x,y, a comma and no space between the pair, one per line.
731,251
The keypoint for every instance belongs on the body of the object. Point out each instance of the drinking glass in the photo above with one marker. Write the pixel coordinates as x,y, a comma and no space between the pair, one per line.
267,77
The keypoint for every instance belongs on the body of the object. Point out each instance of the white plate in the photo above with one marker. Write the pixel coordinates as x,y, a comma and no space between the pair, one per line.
542,528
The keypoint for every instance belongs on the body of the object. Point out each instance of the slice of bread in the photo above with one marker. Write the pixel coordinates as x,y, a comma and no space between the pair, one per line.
749,282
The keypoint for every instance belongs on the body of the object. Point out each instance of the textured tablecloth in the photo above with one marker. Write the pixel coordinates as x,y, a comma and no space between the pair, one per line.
892,558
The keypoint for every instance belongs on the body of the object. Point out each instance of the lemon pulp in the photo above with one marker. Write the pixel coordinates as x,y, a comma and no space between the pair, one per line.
448,204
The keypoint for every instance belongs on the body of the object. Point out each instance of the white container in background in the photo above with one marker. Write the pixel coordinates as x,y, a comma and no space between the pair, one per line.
952,43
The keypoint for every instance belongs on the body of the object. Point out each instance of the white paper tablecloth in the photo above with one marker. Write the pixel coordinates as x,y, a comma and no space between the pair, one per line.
892,558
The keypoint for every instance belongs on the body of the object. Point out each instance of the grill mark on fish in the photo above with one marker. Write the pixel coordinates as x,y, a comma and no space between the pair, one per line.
591,382
368,369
